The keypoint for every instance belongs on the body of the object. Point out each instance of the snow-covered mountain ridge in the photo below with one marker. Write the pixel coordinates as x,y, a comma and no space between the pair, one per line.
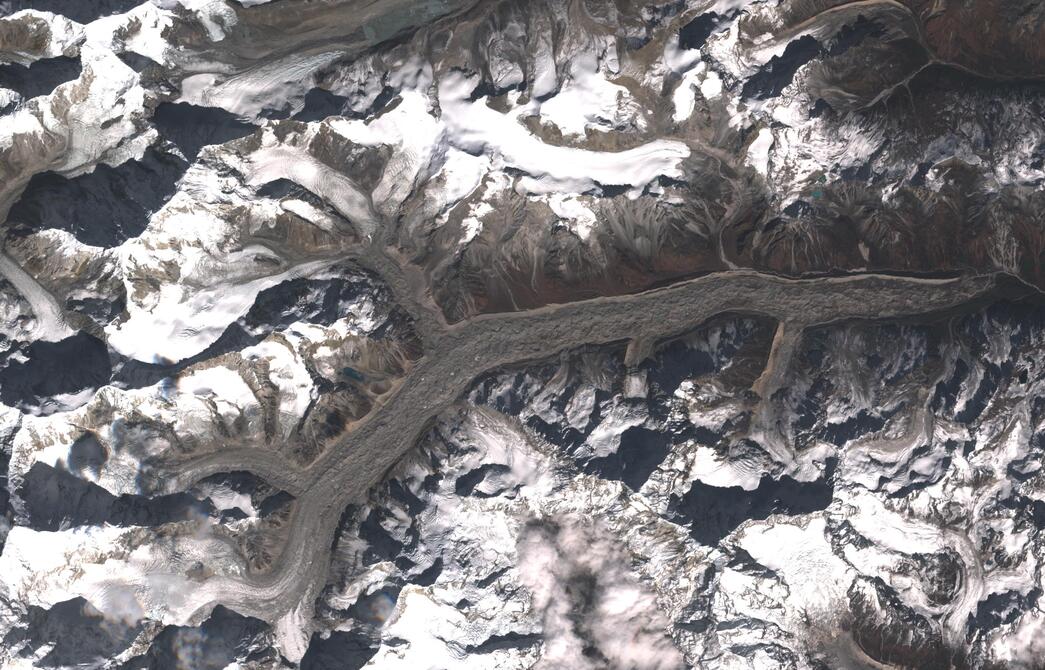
521,334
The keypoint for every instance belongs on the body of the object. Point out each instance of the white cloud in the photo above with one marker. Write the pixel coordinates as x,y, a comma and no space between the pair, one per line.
589,600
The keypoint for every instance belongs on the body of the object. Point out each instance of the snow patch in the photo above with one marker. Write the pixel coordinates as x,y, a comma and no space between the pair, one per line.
758,152
478,129
588,100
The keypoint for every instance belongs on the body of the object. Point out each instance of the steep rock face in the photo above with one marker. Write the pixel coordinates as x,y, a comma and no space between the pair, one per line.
1005,43
238,236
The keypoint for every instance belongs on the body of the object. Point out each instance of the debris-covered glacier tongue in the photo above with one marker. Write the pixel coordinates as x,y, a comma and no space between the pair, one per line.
900,532
594,334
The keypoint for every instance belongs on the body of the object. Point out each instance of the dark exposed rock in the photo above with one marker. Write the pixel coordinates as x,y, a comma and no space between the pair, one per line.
342,650
775,75
81,11
56,499
696,32
223,638
320,104
74,364
136,61
87,455
373,609
191,127
506,641
641,451
380,542
999,609
466,483
319,301
40,77
265,498
713,512
82,636
100,310
132,373
102,208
